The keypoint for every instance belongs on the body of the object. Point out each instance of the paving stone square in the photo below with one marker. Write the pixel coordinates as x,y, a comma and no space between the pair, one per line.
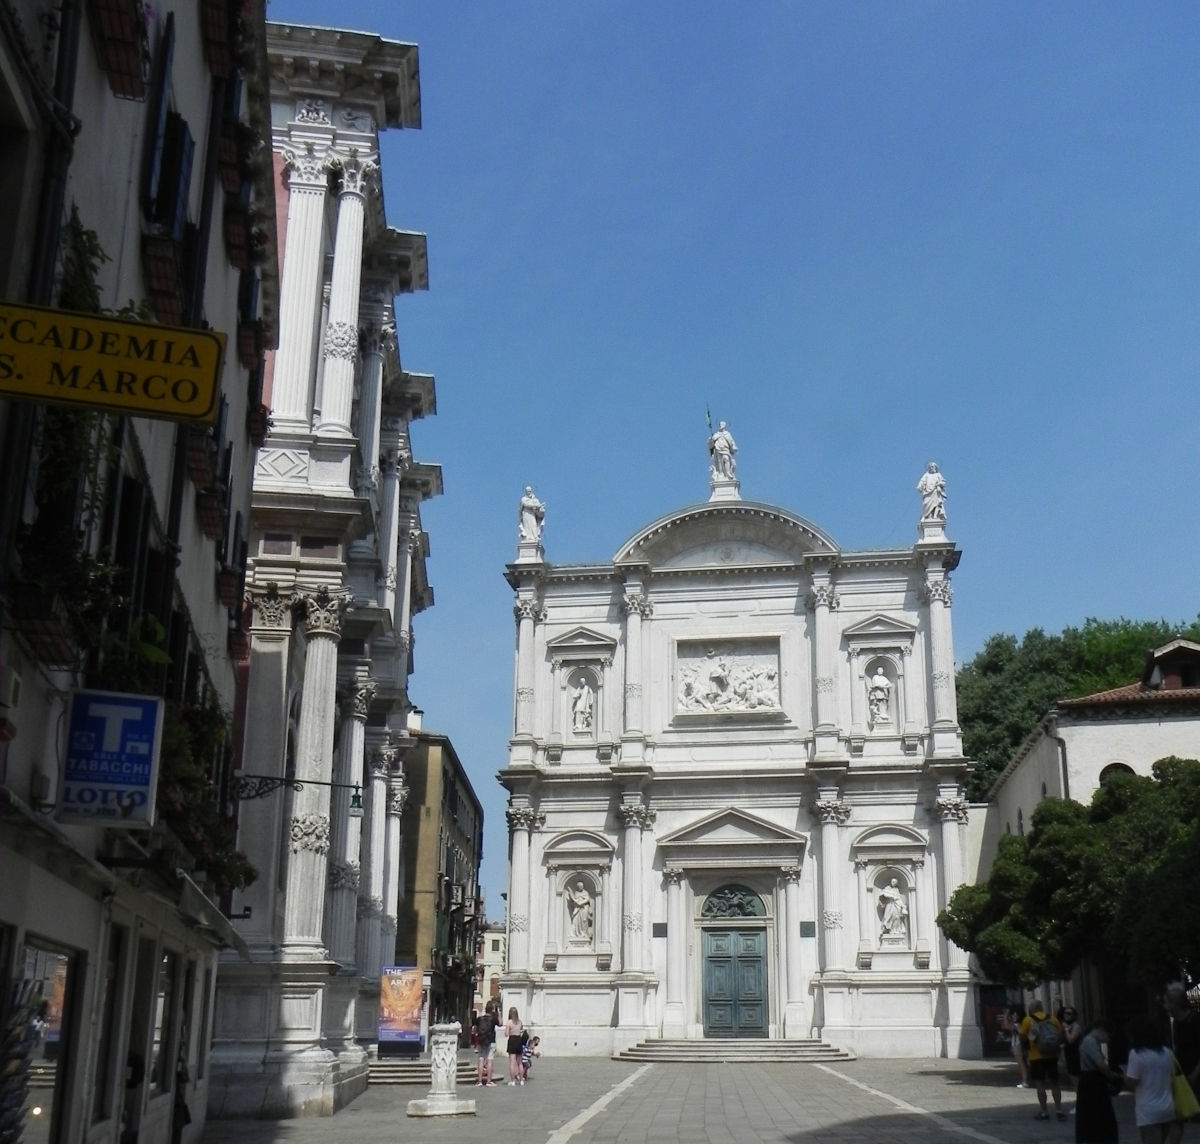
887,1102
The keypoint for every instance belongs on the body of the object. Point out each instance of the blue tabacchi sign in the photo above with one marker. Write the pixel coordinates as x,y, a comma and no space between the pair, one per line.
110,774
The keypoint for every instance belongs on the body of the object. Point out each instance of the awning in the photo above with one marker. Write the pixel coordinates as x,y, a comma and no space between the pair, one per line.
201,912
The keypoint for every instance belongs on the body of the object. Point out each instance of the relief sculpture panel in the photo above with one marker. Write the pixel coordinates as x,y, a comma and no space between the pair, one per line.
728,676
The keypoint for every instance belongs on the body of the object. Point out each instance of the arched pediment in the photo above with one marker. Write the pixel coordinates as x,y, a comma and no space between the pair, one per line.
890,842
578,848
722,535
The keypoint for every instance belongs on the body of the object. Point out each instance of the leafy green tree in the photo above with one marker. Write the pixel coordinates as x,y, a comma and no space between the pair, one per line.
1011,684
1117,881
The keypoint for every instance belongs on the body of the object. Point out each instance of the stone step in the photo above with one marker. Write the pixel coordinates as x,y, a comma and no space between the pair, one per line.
413,1072
734,1051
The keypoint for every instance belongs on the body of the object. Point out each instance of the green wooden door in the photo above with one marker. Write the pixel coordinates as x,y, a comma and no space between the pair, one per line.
735,983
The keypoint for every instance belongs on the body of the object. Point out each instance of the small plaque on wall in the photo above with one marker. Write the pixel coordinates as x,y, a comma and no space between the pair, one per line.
808,929
659,930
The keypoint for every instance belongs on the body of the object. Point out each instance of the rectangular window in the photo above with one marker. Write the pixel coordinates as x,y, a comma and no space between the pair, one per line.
320,547
44,1003
162,1071
495,945
205,1032
102,1099
277,544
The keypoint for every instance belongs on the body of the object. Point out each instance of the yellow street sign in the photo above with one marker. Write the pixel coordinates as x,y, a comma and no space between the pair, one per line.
110,364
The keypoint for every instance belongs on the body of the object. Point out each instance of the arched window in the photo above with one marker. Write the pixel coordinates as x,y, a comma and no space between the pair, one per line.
733,902
1115,769
1020,822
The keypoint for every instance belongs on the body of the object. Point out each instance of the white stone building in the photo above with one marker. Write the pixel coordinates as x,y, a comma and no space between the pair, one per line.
336,571
736,785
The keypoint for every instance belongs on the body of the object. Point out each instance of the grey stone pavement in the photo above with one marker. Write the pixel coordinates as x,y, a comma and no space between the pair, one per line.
890,1102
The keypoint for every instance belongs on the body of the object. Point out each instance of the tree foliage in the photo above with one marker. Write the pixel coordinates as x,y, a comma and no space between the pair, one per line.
1115,881
1010,685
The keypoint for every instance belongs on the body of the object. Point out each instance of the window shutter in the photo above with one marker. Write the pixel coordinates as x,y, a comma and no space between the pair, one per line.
158,114
175,176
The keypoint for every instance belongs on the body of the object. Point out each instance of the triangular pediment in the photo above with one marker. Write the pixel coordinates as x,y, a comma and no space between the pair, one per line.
731,827
880,625
581,639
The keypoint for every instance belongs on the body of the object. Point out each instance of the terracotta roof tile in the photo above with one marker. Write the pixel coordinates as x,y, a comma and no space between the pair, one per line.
1134,693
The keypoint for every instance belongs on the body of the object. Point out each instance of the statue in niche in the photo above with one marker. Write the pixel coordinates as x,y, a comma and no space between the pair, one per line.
583,707
721,448
581,912
893,925
932,487
879,693
533,516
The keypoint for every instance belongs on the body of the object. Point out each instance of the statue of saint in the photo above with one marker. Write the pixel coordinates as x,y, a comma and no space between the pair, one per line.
894,922
932,487
533,514
879,691
721,448
583,700
580,910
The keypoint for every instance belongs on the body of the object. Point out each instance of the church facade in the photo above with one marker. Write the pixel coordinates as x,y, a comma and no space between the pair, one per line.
736,785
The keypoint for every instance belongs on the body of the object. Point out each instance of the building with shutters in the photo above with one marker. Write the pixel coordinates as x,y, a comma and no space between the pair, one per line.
138,210
736,785
336,572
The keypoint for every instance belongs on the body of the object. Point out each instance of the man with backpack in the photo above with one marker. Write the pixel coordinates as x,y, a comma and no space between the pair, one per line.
1043,1036
485,1046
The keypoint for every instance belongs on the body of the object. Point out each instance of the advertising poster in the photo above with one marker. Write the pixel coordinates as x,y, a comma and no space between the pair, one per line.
111,769
401,1001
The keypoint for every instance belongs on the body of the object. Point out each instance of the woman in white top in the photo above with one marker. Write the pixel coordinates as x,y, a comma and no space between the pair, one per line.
1148,1073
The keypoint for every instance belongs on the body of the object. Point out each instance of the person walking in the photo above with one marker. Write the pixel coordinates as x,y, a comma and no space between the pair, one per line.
529,1054
1012,1026
513,1030
485,1046
1043,1037
1148,1074
1095,1121
1185,1033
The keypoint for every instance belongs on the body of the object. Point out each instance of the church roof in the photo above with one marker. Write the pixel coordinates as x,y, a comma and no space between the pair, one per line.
726,533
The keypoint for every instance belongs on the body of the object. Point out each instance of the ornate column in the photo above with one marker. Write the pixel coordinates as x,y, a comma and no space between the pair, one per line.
824,600
674,1021
389,515
309,833
521,821
410,542
938,594
341,335
344,832
953,812
963,1037
397,795
633,816
375,336
371,859
795,1020
866,949
526,610
637,607
833,813
308,184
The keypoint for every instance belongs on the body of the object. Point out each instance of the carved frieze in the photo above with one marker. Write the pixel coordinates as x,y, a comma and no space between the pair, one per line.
341,341
730,676
831,919
312,111
310,832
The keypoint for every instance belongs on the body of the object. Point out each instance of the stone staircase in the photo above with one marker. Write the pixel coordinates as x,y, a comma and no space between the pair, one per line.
741,1051
415,1070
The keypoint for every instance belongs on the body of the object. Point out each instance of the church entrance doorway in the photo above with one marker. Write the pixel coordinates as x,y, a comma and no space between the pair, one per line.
735,963
735,983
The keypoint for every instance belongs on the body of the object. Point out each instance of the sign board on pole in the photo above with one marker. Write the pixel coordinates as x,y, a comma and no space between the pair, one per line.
110,774
111,364
401,1001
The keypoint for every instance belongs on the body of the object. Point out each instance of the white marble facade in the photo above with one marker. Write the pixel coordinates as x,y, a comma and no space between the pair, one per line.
736,744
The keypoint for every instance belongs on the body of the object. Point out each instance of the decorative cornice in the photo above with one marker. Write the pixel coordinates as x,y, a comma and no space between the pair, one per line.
310,832
323,611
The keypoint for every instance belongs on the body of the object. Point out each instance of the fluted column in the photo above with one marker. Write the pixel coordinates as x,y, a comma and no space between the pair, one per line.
521,821
372,850
634,817
938,593
866,947
309,833
795,1023
370,405
833,813
824,600
526,610
410,542
676,938
637,607
389,514
308,184
397,795
953,812
345,832
341,335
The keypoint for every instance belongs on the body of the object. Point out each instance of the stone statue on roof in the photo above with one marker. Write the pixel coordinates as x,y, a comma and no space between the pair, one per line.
721,448
932,487
532,517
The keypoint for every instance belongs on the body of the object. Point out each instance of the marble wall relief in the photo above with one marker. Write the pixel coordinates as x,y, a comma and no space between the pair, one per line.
734,677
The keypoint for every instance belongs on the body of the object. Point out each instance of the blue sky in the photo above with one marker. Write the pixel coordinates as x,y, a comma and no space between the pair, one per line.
866,234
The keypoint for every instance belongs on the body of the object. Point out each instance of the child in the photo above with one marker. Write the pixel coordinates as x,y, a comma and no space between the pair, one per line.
529,1052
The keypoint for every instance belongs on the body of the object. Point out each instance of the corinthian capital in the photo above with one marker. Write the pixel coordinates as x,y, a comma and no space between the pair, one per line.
271,608
952,809
357,173
525,609
823,596
939,591
524,818
636,600
307,167
832,810
322,611
358,702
